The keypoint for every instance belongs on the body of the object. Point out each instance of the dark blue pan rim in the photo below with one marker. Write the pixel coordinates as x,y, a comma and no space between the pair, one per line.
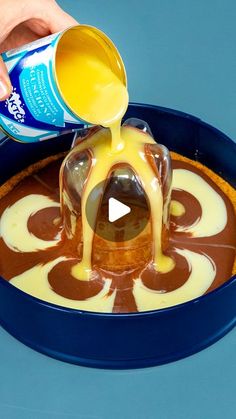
185,115
229,283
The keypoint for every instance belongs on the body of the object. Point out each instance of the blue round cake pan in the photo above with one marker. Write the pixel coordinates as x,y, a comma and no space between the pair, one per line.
125,340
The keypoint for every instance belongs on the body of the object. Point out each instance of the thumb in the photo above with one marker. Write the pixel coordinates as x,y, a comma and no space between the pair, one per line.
5,83
59,20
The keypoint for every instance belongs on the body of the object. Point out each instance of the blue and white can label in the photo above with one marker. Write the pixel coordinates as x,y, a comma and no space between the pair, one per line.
35,110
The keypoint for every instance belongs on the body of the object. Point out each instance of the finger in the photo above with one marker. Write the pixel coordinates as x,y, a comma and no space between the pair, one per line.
39,27
12,14
20,35
45,13
5,84
58,20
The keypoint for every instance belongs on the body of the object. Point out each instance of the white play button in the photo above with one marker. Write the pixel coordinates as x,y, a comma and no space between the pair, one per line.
123,212
116,210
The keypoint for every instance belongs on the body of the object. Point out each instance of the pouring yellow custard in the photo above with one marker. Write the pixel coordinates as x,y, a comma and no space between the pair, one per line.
101,97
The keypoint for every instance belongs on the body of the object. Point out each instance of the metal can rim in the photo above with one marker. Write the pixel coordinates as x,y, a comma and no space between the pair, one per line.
107,41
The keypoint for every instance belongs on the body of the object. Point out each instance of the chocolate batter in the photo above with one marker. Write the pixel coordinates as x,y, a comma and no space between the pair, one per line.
120,268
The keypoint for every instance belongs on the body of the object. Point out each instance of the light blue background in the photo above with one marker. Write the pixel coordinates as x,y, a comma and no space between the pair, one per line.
179,54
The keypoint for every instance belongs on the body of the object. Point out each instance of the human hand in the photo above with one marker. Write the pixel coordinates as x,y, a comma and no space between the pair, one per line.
24,21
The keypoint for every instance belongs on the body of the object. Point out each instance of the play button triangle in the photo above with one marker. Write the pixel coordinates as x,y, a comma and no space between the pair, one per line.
116,210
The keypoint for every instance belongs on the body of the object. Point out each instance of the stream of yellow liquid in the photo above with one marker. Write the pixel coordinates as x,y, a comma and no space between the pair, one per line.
100,97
